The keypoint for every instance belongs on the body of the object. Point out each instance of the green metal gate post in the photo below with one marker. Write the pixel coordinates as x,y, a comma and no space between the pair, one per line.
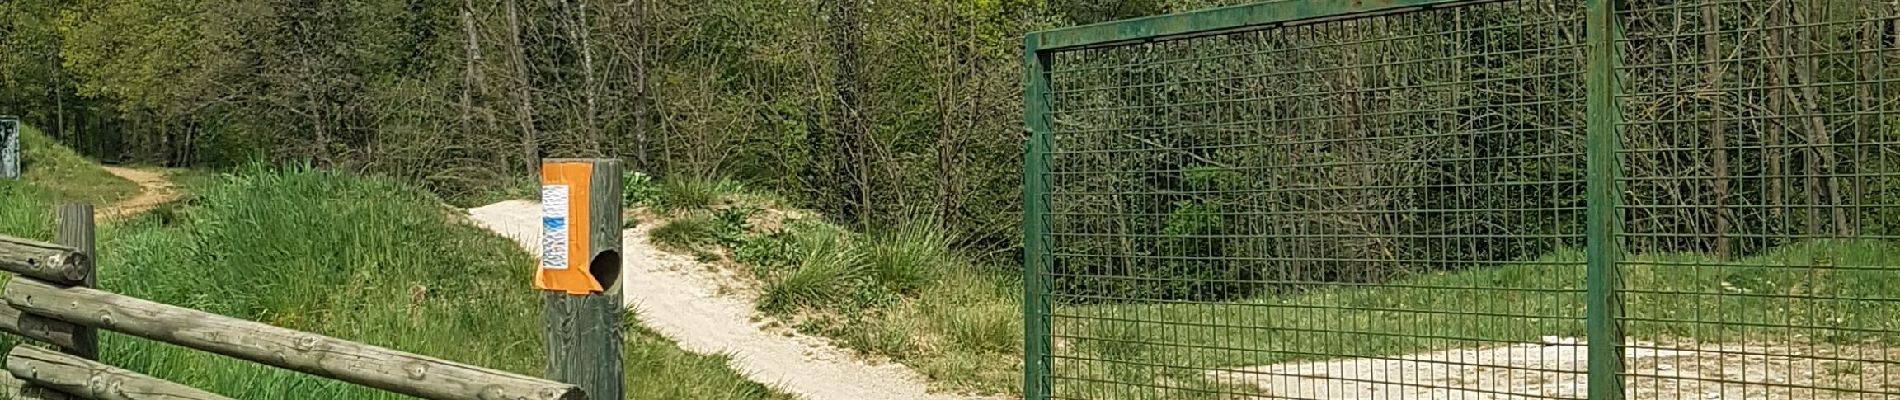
1036,356
1603,112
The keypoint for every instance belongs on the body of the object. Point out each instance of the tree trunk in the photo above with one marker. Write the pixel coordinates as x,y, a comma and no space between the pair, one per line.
580,30
946,120
1774,177
854,127
1718,135
1821,162
473,57
641,104
524,106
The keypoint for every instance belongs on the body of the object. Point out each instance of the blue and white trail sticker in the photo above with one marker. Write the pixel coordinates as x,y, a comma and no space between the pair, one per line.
554,226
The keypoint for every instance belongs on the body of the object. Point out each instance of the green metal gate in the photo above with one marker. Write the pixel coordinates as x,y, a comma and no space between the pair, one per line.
1429,199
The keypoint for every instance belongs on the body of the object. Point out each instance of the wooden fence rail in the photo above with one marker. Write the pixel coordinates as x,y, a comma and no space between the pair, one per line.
39,305
45,261
89,379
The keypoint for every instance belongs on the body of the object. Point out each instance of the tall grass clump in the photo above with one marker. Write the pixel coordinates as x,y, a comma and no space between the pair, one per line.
901,292
909,257
692,193
27,211
814,267
684,233
361,259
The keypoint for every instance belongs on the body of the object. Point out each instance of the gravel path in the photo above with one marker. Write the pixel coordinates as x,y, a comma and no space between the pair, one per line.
681,299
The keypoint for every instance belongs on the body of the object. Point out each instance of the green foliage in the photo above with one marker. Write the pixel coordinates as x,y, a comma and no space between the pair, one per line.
908,258
900,293
639,190
412,90
657,369
1082,12
687,232
66,175
53,174
28,212
823,269
853,270
724,227
696,193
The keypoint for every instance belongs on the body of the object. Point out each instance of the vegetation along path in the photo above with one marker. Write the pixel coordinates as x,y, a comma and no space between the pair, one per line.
154,190
673,295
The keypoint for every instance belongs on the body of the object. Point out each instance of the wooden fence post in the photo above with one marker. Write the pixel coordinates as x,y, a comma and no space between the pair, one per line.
583,325
76,231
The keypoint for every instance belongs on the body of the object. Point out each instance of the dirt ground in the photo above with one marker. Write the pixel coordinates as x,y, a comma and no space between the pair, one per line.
154,190
1555,369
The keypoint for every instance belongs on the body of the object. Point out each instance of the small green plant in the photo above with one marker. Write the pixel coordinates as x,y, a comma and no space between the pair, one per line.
695,193
909,257
639,190
828,271
734,223
687,232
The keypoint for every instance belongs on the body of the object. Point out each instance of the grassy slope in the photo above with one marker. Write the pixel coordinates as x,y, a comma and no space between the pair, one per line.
66,175
902,294
54,173
361,259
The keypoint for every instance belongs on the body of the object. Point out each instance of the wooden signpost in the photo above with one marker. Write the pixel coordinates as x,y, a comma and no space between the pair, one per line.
580,273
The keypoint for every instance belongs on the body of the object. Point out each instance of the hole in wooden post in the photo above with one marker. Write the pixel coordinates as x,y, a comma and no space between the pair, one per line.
606,269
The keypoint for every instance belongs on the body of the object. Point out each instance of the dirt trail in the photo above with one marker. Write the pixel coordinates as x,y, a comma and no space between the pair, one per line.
681,299
154,190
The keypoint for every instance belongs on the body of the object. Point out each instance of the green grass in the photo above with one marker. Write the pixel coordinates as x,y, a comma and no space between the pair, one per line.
900,293
53,174
821,267
687,232
65,175
1856,289
367,260
27,212
518,188
695,193
905,293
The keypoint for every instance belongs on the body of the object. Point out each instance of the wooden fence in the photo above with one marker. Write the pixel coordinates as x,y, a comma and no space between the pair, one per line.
49,299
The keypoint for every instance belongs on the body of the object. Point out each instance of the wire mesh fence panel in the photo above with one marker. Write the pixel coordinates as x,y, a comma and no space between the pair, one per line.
1377,207
1761,186
1682,199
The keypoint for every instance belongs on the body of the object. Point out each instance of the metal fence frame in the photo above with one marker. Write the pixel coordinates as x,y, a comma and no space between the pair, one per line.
1604,316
